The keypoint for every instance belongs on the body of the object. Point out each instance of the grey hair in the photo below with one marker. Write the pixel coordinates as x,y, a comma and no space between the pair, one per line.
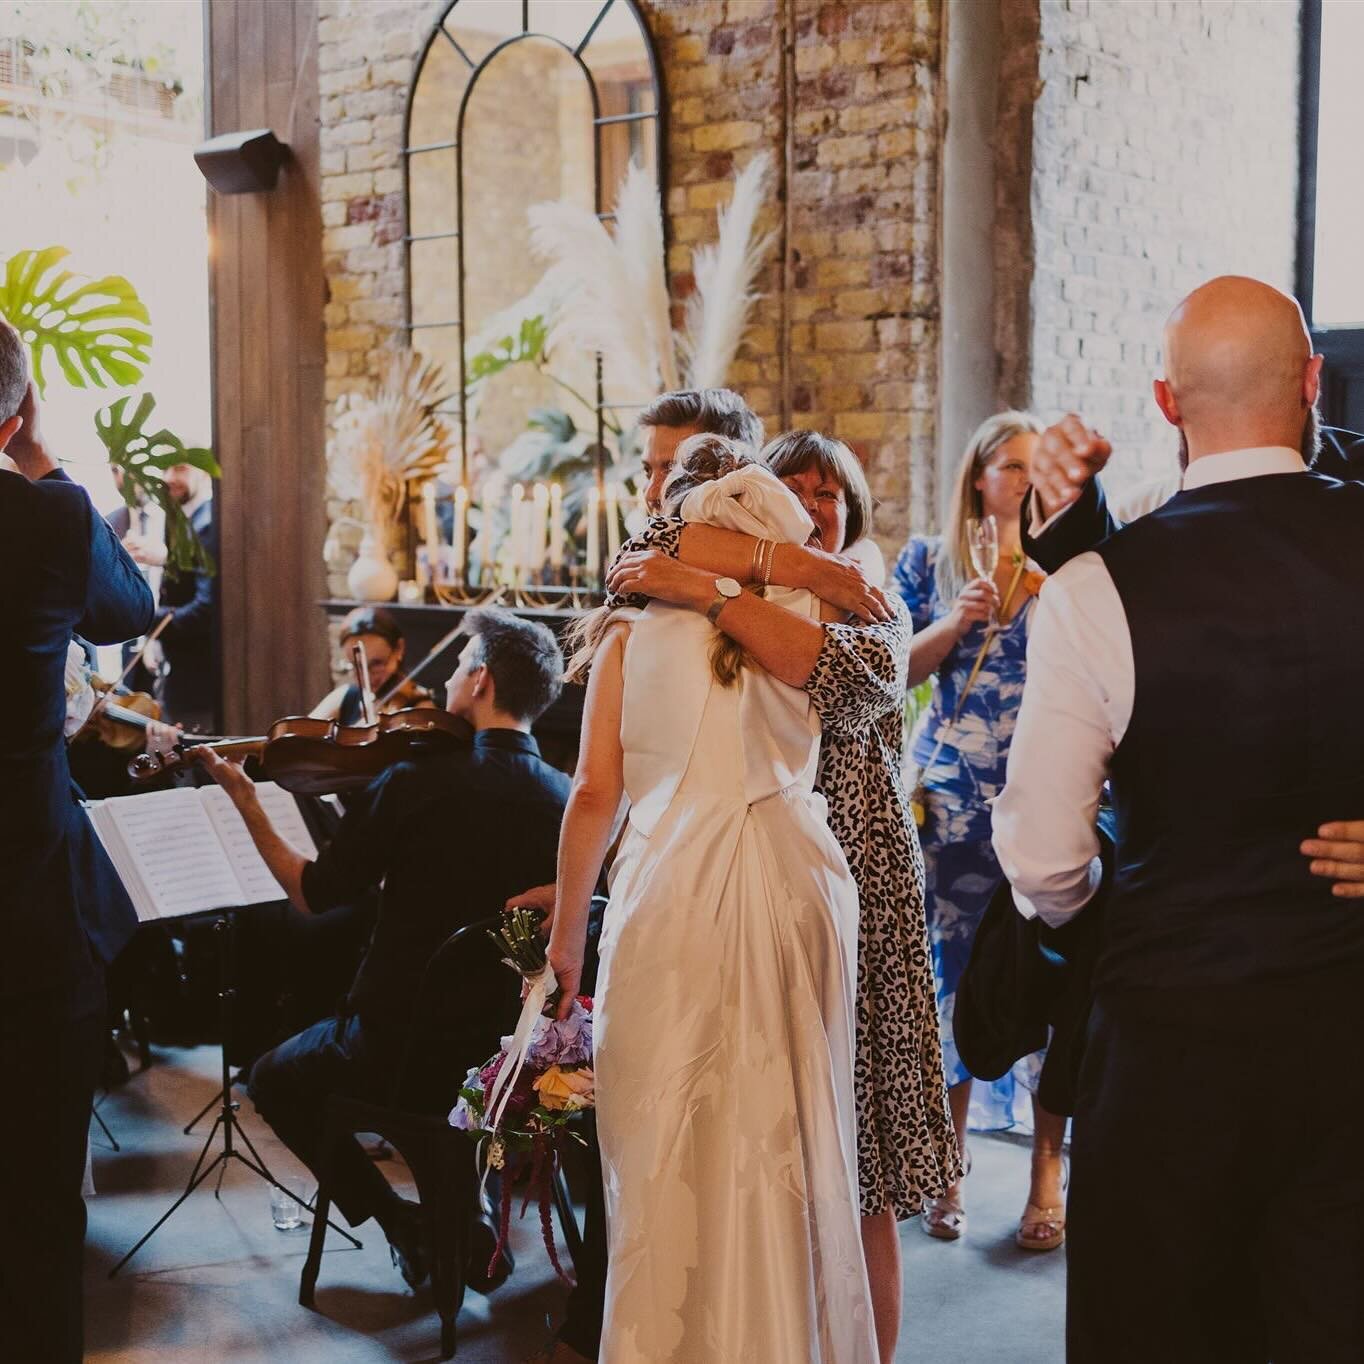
14,370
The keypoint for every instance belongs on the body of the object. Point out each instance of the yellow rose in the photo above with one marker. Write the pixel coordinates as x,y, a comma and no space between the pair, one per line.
568,1090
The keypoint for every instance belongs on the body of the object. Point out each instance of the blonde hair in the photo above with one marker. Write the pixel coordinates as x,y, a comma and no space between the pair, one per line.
954,569
700,459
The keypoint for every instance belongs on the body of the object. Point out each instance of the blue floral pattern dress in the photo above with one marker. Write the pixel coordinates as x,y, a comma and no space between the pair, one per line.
960,868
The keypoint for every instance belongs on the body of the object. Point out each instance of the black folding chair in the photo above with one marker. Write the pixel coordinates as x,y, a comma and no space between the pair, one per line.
415,1123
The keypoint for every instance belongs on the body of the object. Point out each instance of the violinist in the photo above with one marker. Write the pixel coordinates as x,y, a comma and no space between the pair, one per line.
381,639
448,837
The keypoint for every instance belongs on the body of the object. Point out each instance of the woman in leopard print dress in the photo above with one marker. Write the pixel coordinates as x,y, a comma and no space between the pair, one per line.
855,677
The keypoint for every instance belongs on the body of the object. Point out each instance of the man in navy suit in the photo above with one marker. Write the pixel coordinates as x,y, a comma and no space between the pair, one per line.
189,692
63,912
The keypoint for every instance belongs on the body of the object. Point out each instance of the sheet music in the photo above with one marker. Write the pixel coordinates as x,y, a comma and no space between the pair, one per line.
102,819
179,856
257,884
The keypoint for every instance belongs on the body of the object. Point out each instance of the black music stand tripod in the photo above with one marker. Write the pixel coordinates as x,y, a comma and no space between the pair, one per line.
227,1119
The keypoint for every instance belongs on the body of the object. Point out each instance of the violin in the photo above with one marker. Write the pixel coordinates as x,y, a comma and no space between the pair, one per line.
120,724
313,757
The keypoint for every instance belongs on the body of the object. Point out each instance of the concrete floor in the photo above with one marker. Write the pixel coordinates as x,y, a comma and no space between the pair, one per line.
218,1282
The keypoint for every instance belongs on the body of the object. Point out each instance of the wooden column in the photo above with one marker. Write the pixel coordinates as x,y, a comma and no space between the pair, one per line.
267,291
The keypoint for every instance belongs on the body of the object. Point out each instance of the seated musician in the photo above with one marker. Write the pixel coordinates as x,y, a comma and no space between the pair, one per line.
381,638
450,837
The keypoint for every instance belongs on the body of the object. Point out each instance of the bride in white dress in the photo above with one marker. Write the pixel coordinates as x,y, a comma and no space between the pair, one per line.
724,1006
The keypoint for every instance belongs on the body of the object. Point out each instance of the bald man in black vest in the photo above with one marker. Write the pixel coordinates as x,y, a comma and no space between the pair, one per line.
1206,660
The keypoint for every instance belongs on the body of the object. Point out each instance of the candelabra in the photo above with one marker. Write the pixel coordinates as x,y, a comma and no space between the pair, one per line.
529,569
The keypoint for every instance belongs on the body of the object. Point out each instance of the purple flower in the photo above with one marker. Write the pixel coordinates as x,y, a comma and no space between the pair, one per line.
461,1115
566,1043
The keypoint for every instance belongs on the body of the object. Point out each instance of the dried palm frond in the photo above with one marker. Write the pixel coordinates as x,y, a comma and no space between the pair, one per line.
379,444
597,307
639,240
717,312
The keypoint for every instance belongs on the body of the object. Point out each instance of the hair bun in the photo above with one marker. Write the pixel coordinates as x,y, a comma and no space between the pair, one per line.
708,456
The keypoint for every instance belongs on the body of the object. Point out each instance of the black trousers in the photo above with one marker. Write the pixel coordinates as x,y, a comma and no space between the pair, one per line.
50,1054
581,1329
290,1086
1217,1194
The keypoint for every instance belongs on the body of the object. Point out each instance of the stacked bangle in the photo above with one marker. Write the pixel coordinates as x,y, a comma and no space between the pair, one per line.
755,568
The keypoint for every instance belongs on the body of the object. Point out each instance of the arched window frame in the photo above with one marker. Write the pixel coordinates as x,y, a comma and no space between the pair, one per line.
657,116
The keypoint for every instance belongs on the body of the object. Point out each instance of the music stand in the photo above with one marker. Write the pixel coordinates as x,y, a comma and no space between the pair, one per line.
227,1120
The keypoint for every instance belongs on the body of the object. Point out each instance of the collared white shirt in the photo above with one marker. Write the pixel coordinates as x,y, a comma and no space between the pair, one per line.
1077,704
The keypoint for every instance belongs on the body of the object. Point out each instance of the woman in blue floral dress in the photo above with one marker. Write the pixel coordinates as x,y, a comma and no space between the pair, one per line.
962,767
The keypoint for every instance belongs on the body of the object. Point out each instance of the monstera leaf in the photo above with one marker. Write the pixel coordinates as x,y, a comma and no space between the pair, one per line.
96,328
144,457
526,346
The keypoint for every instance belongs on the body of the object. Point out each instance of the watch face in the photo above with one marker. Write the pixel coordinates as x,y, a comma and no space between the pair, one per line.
727,587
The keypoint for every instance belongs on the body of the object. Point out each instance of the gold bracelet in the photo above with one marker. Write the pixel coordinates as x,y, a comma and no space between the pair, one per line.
755,568
766,578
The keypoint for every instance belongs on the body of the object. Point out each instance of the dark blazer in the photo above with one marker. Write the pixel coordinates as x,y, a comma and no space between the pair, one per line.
188,641
63,910
1028,986
1089,522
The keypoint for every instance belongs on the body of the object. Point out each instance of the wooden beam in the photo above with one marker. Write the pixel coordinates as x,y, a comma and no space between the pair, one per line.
268,360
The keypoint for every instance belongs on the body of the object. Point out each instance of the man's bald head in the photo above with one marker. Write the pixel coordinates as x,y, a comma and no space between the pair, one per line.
1238,365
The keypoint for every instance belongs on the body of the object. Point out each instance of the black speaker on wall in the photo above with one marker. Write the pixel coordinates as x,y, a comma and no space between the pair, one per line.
241,163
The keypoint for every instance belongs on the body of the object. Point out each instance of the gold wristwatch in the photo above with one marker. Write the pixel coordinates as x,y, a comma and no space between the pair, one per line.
726,589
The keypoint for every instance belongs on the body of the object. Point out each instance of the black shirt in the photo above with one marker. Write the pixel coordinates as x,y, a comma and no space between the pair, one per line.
451,838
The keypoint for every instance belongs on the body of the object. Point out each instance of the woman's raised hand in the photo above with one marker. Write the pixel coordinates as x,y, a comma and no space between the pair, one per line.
840,581
978,600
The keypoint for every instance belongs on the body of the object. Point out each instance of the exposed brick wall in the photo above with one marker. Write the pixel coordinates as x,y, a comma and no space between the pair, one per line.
863,308
1164,152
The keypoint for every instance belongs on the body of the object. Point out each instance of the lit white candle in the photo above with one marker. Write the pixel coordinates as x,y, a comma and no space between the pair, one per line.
432,525
612,521
516,559
539,528
556,526
593,531
459,532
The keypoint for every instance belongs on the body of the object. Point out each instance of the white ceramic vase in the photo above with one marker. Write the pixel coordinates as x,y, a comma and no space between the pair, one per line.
371,576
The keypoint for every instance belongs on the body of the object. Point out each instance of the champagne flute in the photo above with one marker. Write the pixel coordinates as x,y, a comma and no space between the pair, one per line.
982,538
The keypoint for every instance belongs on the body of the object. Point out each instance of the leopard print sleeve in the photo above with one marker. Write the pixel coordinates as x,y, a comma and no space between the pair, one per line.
861,673
662,533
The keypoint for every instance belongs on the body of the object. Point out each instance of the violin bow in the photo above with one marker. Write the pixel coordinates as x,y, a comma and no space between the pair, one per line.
438,648
361,669
103,699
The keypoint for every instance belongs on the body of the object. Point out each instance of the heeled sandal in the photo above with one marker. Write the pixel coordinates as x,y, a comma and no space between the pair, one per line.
1036,1217
944,1218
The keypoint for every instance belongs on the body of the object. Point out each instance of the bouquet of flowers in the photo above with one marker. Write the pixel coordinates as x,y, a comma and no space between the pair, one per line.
526,1100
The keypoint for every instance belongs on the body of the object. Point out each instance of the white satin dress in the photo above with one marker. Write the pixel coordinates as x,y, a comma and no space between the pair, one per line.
725,1010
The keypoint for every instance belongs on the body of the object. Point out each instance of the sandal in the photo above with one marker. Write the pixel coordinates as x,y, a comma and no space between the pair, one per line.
1050,1222
1041,1227
944,1218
